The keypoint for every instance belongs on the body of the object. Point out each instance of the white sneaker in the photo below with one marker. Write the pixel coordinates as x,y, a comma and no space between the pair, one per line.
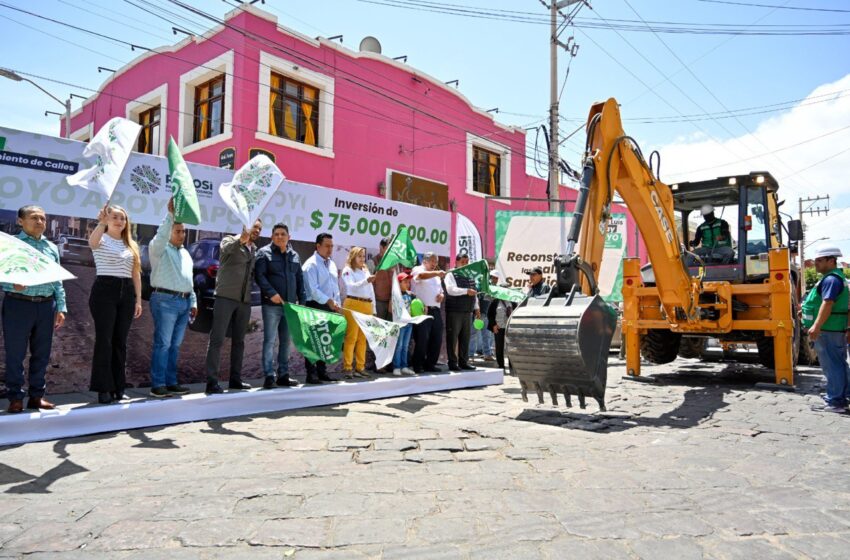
407,371
397,371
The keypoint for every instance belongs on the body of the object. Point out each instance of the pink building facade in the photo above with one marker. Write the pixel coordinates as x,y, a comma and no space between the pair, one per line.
355,121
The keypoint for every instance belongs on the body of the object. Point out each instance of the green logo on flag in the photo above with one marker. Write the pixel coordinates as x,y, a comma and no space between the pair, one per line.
186,207
478,272
400,251
2,143
317,334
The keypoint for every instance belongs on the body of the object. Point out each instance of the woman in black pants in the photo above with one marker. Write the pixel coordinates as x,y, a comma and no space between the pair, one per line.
115,300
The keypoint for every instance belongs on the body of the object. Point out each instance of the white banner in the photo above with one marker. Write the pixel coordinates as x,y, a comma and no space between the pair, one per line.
381,335
528,239
110,148
33,168
468,239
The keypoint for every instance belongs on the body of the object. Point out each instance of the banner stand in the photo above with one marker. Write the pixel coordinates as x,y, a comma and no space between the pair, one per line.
66,422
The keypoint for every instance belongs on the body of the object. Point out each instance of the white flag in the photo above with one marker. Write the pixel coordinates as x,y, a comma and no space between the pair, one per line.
111,147
251,189
400,312
23,264
468,240
381,335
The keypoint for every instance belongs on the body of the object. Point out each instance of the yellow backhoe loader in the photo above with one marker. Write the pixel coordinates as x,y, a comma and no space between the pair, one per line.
742,291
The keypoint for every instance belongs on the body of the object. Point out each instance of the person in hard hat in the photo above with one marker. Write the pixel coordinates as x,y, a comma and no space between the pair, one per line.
713,232
825,317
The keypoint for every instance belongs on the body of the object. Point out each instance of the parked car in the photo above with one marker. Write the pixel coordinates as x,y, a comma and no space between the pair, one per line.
74,250
205,255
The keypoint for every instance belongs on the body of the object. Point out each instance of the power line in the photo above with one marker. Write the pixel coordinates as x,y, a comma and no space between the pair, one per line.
707,89
752,5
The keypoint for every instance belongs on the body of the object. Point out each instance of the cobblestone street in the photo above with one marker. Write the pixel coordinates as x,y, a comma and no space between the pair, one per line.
700,464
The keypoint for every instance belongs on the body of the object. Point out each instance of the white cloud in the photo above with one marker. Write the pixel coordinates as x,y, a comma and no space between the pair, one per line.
697,159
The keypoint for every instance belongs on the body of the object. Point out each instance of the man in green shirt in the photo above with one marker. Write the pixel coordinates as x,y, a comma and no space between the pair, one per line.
713,232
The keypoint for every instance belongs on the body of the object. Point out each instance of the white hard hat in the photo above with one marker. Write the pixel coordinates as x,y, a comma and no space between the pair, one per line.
706,209
495,274
828,251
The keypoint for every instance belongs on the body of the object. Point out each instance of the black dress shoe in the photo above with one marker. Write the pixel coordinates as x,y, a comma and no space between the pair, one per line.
104,398
238,385
268,383
418,370
451,368
467,368
326,378
119,396
285,382
312,381
213,389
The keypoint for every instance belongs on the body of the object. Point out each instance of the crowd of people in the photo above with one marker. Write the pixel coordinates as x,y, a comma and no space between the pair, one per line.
31,314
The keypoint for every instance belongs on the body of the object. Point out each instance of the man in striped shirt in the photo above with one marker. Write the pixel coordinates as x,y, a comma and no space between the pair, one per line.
30,315
173,302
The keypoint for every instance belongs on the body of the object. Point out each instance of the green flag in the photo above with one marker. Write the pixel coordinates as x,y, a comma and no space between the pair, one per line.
186,207
478,272
317,334
400,251
507,294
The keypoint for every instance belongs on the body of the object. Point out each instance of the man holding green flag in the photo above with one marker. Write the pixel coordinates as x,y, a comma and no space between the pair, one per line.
462,287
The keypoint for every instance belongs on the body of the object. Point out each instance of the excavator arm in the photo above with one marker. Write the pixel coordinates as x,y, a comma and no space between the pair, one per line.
615,164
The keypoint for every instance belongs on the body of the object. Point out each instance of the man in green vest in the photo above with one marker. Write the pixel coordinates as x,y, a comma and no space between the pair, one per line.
825,317
713,232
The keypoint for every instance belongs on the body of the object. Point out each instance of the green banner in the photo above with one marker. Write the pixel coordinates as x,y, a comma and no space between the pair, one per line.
478,272
400,251
317,334
186,207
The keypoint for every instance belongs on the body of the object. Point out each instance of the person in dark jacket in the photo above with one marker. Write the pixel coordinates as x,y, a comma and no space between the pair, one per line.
278,273
232,304
537,283
497,320
461,306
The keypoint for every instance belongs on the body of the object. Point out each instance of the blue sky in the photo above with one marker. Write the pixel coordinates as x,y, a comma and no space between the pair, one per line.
505,65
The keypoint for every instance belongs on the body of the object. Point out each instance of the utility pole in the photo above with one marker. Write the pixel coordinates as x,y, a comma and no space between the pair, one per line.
554,43
802,243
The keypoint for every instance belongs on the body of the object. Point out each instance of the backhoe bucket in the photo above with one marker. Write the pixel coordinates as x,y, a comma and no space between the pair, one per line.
558,348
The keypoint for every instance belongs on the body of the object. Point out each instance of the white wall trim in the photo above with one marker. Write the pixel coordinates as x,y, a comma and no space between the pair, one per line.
222,64
84,134
157,96
505,175
322,82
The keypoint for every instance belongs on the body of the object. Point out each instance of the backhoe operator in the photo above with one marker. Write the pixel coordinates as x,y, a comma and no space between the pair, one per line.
713,232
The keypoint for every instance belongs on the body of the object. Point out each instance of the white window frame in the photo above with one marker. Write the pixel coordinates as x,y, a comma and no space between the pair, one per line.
222,64
83,134
149,100
505,175
325,84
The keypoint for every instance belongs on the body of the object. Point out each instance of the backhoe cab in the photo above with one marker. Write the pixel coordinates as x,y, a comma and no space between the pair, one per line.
736,284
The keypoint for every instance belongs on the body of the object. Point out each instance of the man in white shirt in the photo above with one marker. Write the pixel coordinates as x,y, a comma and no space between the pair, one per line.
428,287
321,281
461,304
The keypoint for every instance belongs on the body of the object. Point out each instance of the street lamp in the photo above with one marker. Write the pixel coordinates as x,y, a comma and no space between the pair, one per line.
14,76
815,241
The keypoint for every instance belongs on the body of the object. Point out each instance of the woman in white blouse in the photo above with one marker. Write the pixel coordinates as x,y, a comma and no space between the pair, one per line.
115,300
361,298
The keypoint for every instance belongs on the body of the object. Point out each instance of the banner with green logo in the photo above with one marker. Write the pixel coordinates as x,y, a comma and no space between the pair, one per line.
525,240
317,334
400,251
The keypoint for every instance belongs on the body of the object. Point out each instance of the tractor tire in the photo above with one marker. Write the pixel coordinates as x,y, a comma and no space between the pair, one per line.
691,347
660,346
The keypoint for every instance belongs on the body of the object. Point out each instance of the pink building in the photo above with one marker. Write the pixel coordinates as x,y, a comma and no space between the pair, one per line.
355,121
